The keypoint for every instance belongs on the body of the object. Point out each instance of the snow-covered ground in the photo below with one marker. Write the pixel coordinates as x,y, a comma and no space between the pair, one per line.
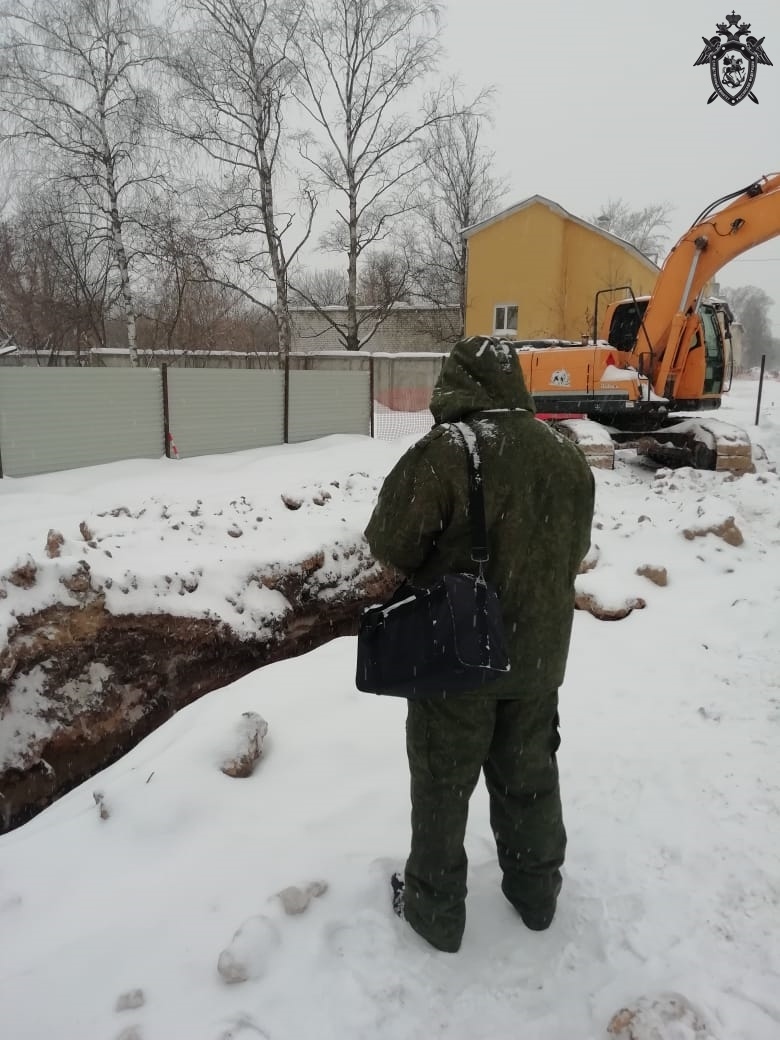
669,765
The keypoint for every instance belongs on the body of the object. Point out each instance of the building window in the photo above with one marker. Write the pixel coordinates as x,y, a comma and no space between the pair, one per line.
505,319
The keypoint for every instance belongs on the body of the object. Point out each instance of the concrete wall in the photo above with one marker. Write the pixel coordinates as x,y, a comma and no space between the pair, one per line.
118,357
406,329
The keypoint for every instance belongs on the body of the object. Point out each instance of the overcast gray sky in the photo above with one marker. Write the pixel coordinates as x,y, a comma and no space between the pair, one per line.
601,100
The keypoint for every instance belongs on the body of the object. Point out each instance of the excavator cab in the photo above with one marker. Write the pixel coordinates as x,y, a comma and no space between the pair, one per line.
623,322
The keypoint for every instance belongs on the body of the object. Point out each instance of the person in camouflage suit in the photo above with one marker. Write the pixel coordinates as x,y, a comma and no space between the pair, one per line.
539,494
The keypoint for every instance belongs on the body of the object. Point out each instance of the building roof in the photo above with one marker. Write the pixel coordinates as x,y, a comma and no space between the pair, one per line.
534,200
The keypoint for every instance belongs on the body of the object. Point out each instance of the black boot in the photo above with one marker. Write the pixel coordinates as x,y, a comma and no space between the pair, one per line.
539,919
397,883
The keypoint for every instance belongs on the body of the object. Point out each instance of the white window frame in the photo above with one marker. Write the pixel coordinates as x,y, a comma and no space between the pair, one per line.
503,330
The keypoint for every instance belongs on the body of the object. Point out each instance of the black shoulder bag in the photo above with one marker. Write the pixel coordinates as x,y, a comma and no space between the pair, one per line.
428,643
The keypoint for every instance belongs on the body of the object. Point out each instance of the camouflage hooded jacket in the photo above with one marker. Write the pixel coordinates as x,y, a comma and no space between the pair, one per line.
539,494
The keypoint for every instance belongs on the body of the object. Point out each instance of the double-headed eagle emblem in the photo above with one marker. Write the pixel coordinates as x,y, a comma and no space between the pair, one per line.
733,60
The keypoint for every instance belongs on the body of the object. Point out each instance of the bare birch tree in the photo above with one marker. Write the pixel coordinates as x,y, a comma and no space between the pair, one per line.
326,288
56,288
644,228
235,77
73,77
461,187
363,68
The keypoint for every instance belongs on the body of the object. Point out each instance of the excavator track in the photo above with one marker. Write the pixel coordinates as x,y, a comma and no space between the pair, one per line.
701,443
707,444
592,438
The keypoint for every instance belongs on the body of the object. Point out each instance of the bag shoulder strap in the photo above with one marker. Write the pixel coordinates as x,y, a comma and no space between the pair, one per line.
480,552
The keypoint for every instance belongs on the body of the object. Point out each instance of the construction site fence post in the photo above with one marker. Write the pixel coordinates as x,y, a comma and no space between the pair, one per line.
370,396
166,412
286,420
760,387
1,462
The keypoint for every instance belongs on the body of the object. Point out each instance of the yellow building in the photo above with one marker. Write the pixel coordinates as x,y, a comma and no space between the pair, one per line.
533,271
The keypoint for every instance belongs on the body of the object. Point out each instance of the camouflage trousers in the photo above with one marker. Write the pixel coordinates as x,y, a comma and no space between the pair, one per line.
449,743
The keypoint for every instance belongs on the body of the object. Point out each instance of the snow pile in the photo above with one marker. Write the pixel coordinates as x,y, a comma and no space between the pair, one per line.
188,537
613,374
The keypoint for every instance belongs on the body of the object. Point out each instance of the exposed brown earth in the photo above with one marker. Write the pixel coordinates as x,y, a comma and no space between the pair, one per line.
590,603
110,680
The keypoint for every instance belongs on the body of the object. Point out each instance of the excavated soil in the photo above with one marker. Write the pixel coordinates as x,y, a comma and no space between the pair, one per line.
105,682
96,683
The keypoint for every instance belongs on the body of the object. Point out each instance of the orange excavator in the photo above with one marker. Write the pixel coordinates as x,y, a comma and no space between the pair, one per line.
653,356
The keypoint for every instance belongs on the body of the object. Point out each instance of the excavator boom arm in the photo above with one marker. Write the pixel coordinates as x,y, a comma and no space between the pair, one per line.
751,218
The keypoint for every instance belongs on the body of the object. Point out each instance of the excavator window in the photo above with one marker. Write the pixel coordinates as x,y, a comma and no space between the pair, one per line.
624,327
714,358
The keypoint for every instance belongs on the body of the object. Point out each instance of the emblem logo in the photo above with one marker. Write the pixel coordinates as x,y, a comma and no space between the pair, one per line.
733,61
560,377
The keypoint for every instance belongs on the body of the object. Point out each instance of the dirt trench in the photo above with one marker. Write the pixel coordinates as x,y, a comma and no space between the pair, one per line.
107,680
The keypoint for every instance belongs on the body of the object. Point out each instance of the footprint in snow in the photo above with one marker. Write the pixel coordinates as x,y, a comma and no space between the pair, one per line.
295,900
250,952
130,1033
243,1028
